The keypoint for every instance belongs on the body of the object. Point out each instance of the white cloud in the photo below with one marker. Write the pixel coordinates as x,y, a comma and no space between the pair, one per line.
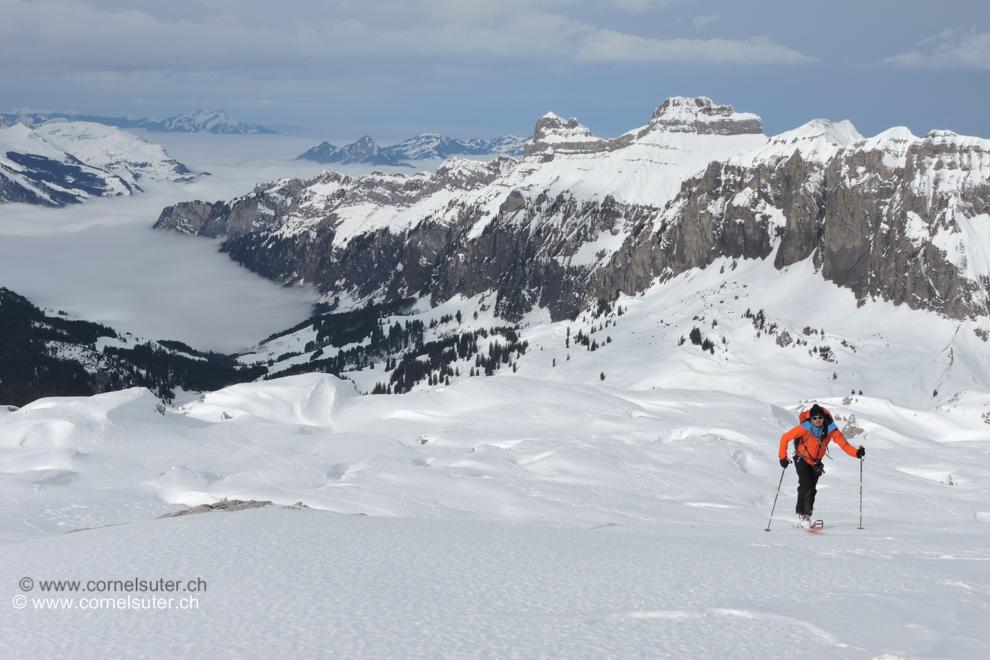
948,50
702,21
642,6
57,40
610,46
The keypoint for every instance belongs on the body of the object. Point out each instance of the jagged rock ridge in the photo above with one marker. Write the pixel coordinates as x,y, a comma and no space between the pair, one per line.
579,219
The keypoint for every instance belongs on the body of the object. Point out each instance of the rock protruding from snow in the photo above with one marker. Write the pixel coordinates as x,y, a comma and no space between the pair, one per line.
703,116
556,134
222,505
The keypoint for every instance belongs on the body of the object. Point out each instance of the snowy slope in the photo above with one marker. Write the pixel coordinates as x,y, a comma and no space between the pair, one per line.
34,171
66,162
128,156
545,512
658,394
505,516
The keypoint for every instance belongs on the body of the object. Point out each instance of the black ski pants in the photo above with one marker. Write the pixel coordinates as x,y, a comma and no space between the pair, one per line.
807,481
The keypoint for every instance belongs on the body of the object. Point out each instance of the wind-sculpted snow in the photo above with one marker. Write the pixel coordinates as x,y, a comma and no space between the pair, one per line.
502,516
504,448
305,401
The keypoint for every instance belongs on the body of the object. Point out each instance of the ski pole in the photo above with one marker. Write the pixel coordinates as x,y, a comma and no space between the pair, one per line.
775,498
860,493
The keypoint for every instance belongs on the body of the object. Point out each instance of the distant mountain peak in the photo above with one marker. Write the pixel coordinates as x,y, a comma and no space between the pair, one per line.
550,126
209,121
554,133
701,115
839,133
198,121
363,151
425,146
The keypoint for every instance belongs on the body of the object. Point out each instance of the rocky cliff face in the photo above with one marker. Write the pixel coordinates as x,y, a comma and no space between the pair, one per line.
579,219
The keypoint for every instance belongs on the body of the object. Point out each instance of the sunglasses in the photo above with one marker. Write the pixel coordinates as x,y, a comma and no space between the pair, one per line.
817,417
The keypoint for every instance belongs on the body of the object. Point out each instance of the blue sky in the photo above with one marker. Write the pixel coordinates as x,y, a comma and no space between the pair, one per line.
481,68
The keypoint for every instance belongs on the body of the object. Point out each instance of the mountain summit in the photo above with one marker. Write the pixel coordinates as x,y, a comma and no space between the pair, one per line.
703,116
365,150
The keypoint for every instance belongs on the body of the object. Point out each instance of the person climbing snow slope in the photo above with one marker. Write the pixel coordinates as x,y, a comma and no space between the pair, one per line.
811,437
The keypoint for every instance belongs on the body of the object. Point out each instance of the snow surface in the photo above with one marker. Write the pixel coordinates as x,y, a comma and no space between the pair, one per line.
127,155
20,139
547,513
112,151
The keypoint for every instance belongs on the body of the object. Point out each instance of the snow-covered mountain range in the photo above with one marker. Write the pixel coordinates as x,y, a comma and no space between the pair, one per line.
580,218
425,146
61,163
209,121
538,413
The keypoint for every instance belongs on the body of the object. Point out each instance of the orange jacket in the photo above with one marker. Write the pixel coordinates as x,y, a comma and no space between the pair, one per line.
807,446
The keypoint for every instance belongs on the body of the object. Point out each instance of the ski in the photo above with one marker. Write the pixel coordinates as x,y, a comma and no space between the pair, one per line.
810,526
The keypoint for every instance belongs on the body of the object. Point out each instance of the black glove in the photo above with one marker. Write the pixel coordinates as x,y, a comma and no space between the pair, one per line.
784,463
861,452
